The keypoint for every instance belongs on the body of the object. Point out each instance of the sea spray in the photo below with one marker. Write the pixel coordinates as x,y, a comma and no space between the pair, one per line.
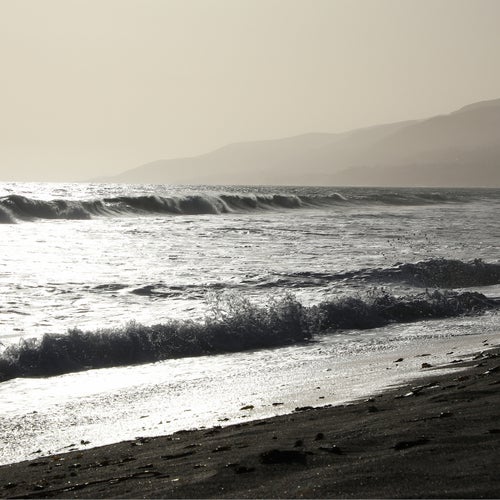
233,324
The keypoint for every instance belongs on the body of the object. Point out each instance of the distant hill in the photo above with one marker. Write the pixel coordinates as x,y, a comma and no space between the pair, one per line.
458,149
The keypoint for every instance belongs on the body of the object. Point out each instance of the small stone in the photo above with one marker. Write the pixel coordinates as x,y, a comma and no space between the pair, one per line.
303,408
36,464
174,456
319,436
283,457
426,365
403,445
242,469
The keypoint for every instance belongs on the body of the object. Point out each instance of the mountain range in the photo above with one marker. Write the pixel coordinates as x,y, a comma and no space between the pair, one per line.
460,149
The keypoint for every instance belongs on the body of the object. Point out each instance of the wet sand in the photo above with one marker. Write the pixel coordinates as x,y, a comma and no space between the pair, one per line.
436,438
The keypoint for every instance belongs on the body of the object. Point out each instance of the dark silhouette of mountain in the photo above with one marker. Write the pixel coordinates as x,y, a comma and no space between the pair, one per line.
458,149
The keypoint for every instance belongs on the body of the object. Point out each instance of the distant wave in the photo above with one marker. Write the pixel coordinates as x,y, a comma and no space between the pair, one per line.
234,325
20,208
23,208
16,207
443,273
6,216
433,273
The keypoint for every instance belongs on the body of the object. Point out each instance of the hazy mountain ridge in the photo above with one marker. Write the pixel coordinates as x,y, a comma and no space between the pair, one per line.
458,149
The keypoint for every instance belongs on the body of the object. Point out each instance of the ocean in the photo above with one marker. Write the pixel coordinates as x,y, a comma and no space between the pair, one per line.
141,310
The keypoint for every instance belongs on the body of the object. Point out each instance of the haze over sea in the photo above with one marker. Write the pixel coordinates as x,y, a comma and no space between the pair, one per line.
141,310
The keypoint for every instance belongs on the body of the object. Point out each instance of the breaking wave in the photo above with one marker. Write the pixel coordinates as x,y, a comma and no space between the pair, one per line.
433,273
233,325
18,208
6,216
23,208
443,273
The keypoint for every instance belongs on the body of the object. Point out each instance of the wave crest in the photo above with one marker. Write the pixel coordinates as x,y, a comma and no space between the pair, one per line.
432,273
444,273
234,324
24,208
6,216
16,207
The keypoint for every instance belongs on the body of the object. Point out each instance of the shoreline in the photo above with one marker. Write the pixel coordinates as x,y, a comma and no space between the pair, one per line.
58,414
433,437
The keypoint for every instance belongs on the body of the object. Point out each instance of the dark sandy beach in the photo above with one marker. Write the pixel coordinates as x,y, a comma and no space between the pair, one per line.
436,438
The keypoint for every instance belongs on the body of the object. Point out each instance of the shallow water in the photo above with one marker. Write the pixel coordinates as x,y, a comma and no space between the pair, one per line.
48,415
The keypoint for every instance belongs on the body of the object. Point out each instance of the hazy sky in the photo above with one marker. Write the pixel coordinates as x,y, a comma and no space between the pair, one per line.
95,87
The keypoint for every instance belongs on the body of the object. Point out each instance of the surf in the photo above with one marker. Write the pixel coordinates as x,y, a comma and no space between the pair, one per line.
233,325
17,208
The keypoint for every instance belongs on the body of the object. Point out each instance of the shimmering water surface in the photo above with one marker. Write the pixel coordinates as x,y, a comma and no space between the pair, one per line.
97,256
